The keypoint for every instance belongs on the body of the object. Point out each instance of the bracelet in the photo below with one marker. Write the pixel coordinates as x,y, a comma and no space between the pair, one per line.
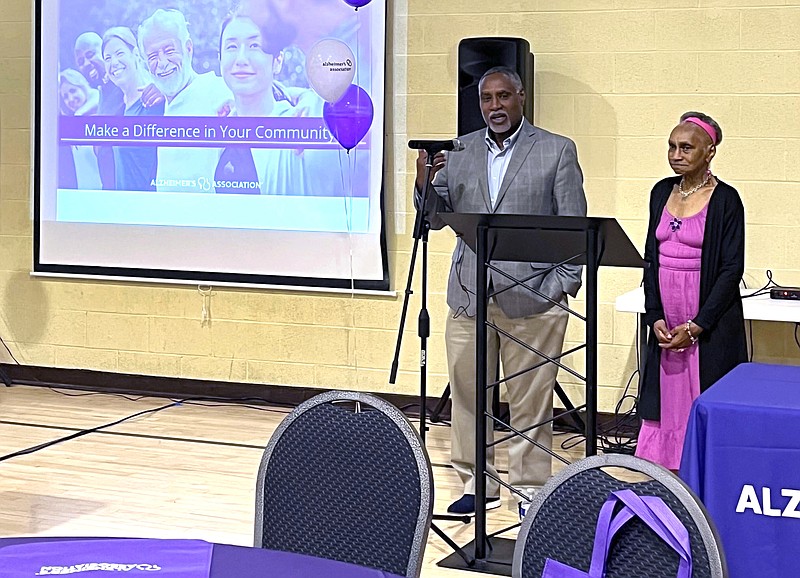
692,338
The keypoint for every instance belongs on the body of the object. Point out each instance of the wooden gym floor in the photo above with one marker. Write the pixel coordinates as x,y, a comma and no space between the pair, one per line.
188,471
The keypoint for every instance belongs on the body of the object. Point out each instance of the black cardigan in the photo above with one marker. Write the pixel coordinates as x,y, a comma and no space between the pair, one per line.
722,343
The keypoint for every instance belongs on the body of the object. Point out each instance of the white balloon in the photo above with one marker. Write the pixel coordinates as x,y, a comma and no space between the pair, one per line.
330,67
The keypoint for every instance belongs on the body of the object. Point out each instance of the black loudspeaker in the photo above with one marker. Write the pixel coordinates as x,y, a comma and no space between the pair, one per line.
476,56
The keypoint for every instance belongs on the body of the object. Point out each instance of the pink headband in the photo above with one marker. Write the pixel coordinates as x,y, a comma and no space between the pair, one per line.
705,126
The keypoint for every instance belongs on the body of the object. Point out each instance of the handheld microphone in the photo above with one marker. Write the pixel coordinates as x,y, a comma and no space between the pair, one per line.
434,146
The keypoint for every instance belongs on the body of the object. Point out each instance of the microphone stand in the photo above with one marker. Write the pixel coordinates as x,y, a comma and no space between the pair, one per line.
421,229
420,233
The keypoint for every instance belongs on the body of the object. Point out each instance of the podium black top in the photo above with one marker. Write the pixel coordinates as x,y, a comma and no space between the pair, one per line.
546,238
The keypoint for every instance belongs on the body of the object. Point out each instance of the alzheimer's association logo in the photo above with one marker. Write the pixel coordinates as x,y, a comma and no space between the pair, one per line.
97,567
330,68
345,66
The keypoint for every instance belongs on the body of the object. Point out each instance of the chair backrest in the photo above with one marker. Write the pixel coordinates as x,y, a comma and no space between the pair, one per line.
346,477
561,519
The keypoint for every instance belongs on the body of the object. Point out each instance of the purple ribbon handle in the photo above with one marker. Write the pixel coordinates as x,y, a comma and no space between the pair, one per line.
652,511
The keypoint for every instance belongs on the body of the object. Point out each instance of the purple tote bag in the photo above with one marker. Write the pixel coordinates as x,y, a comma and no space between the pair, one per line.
652,511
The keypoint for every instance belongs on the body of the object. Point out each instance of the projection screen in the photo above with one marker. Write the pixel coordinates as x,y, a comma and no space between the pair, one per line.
211,141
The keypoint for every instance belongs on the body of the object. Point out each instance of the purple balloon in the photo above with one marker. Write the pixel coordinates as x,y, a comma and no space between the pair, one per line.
356,3
350,117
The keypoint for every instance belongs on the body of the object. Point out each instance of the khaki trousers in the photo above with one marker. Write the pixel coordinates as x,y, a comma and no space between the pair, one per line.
529,396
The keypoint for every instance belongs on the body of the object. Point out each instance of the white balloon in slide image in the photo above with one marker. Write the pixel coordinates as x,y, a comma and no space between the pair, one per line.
330,67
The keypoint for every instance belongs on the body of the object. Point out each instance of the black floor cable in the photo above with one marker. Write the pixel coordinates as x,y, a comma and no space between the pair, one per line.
84,432
207,401
198,401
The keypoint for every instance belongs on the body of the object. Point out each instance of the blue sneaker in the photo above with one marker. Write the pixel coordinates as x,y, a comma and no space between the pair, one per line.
466,504
524,505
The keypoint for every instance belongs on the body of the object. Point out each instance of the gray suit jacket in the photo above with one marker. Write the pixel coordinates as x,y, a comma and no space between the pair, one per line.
543,178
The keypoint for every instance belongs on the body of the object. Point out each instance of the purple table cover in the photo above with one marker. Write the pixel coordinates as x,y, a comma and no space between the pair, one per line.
112,557
25,557
240,562
741,456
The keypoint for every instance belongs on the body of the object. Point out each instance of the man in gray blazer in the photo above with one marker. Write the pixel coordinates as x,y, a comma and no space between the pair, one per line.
510,167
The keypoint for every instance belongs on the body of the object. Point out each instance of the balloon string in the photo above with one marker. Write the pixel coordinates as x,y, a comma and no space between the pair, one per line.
347,197
347,189
352,260
358,49
349,204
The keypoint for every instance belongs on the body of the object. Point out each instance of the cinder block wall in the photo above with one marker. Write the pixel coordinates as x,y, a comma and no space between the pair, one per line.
612,74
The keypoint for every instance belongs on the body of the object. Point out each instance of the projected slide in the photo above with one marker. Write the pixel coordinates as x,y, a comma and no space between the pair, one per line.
211,140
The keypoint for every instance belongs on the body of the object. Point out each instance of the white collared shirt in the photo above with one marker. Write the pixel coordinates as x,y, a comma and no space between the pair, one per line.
497,161
183,169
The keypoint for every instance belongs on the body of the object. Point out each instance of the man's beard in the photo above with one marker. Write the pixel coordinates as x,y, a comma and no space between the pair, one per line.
172,84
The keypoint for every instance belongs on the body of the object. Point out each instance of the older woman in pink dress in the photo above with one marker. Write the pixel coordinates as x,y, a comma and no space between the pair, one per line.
695,252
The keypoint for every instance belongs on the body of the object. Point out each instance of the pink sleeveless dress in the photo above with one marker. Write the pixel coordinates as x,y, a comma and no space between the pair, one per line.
679,250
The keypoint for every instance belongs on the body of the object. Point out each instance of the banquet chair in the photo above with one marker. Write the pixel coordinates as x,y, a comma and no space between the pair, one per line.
560,523
346,477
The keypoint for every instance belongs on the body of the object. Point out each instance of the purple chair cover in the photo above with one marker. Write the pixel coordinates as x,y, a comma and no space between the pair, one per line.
112,557
652,511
